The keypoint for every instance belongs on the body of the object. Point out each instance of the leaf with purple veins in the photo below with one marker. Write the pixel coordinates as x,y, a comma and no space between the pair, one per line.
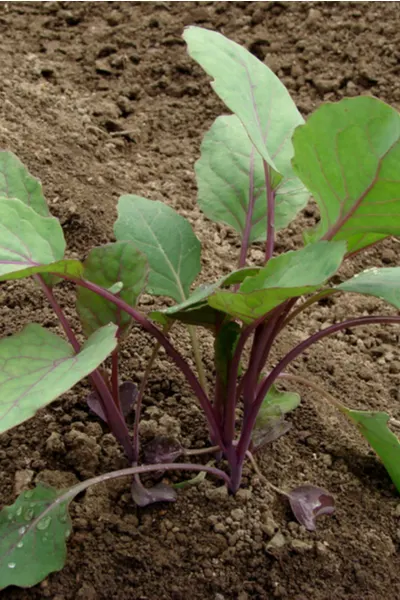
308,502
143,496
162,449
127,397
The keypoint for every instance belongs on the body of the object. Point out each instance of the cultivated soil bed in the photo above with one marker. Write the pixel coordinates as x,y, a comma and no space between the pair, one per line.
75,76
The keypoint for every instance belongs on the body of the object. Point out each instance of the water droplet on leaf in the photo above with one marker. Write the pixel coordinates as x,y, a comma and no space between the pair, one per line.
11,565
43,523
21,530
28,514
67,533
19,545
28,494
18,512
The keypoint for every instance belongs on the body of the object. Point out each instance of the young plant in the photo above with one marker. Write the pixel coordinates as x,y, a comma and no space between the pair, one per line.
258,168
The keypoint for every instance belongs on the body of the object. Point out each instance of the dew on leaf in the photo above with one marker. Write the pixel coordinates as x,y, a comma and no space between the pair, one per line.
20,545
11,565
67,533
21,530
28,494
18,512
28,514
43,523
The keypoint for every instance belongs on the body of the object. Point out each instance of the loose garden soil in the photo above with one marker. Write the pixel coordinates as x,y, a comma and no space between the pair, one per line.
100,99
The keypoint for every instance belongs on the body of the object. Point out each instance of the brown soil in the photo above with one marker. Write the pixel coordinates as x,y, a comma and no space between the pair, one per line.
73,77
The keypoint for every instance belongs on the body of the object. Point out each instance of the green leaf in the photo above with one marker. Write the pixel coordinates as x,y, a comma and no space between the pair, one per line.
37,366
224,348
33,533
373,426
195,310
289,275
167,240
17,182
348,156
276,404
30,243
108,265
223,175
251,91
382,283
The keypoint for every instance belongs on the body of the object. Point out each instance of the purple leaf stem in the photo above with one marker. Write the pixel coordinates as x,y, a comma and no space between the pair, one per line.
181,363
249,215
245,437
269,247
115,420
115,378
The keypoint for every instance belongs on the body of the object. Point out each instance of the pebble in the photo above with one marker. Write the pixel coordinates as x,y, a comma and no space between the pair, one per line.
55,443
268,525
243,495
301,546
237,514
22,479
219,494
278,541
394,367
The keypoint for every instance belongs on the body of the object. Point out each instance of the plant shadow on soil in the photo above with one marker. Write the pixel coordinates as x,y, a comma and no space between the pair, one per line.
99,100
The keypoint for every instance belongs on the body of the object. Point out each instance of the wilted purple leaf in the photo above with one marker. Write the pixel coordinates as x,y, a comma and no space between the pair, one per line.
271,431
162,449
127,397
143,496
309,502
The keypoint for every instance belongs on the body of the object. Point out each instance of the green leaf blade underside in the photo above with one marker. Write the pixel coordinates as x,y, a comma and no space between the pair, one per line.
382,283
166,239
223,176
286,276
17,182
251,91
108,265
195,310
37,366
28,241
276,404
33,534
373,426
348,156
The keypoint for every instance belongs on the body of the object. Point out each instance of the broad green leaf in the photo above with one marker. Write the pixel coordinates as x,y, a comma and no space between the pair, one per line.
224,347
373,426
17,182
30,243
224,171
195,310
33,534
382,283
276,404
348,156
251,91
289,275
37,366
107,266
166,239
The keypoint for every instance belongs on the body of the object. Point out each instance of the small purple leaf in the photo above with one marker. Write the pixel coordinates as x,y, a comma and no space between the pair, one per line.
308,502
162,449
128,393
127,396
158,493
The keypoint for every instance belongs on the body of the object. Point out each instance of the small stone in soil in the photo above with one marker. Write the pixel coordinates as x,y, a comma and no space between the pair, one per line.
278,541
22,480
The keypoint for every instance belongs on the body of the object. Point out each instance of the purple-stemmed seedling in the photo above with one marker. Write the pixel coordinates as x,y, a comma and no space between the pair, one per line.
257,169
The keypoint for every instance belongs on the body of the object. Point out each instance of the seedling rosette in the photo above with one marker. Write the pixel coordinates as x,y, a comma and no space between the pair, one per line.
258,168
